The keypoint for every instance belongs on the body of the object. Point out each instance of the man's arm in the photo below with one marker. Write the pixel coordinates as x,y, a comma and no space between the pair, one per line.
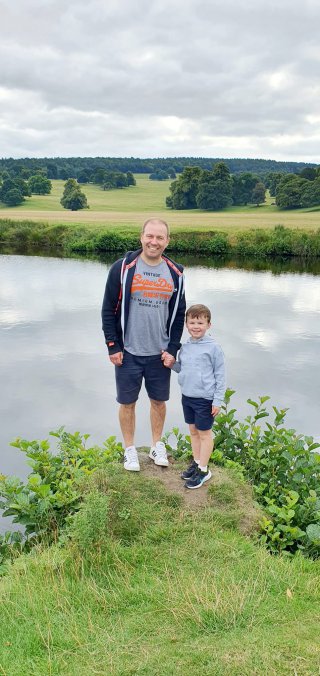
109,309
177,326
220,377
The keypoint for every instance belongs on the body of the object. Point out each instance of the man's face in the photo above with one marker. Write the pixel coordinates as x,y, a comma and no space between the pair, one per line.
154,240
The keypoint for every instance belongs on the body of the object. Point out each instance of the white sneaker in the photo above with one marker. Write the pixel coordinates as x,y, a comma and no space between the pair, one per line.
158,454
131,460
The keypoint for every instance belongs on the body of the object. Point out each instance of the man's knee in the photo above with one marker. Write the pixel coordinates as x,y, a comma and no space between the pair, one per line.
127,408
160,405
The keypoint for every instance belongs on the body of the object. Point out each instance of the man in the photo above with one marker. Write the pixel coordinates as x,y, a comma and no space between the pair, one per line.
142,319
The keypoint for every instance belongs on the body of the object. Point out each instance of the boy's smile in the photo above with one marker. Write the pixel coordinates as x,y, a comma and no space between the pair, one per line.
197,326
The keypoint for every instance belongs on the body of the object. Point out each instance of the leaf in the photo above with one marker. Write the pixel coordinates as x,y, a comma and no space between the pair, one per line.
253,403
289,593
313,532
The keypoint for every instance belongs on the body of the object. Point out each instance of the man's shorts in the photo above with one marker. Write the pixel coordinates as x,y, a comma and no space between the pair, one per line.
130,374
197,411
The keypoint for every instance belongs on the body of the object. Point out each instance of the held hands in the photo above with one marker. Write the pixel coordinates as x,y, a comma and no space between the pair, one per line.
168,359
215,410
116,358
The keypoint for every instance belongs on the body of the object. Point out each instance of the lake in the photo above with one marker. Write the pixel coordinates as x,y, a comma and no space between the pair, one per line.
54,368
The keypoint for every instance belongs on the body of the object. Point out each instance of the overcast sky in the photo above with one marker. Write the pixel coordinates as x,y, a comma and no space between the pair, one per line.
149,78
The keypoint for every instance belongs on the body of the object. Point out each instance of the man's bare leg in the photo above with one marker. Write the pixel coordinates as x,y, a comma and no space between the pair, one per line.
127,419
157,418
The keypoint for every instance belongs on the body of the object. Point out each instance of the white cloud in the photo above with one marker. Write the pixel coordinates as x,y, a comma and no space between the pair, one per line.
194,78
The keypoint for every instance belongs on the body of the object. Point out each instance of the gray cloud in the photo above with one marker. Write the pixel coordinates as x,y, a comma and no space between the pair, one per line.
195,78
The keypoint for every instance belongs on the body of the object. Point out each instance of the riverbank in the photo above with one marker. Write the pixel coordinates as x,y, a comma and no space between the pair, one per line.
74,238
147,584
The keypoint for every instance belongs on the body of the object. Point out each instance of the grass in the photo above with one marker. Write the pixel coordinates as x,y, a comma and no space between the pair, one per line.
187,593
131,206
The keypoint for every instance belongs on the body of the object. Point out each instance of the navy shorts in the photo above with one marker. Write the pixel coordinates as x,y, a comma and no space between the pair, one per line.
197,411
130,374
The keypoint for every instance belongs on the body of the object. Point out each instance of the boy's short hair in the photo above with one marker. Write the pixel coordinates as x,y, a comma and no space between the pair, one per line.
198,311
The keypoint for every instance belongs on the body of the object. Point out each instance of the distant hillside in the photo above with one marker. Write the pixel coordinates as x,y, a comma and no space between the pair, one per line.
72,167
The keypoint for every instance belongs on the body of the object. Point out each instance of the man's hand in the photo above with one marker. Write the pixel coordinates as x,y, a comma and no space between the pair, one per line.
215,410
168,359
116,358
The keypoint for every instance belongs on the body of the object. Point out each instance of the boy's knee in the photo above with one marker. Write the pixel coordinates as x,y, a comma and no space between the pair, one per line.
206,434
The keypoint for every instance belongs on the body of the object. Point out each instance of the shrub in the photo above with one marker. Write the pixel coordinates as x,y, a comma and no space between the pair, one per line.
282,467
54,489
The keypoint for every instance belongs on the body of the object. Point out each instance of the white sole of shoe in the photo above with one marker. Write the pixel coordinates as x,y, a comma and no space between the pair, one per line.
192,488
132,469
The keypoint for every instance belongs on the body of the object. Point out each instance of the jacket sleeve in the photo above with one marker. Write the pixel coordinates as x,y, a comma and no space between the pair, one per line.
177,326
220,376
111,308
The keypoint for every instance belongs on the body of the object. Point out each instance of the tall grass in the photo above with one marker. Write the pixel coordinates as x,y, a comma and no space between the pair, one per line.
185,593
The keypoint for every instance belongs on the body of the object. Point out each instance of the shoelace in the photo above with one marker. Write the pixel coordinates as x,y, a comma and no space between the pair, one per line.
131,454
161,450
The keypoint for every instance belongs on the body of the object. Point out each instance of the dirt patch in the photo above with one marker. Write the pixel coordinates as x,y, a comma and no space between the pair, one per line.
215,493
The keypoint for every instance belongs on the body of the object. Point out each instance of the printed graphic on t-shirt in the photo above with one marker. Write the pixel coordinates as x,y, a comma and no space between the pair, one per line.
151,289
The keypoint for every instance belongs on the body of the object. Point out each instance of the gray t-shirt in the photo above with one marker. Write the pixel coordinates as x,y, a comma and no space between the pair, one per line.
151,290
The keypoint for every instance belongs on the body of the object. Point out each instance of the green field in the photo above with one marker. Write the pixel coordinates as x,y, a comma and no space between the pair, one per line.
131,206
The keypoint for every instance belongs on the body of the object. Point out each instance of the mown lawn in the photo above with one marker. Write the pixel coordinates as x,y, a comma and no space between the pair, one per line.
131,206
187,593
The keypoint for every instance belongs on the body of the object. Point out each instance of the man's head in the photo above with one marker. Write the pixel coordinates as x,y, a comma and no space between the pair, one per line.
154,239
198,320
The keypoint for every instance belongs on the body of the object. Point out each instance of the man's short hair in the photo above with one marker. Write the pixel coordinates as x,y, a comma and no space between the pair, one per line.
198,311
155,220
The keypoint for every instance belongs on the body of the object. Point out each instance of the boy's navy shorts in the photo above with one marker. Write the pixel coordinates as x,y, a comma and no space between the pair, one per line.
130,374
197,411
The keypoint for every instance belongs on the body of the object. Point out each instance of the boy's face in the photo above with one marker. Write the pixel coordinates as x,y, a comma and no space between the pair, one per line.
197,326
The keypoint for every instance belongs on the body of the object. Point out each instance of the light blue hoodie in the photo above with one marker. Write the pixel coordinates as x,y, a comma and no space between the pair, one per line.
201,369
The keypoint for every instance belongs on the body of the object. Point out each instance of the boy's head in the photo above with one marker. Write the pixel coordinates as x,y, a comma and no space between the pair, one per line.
198,320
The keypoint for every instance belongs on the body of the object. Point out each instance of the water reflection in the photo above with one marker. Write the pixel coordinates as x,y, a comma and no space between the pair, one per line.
53,364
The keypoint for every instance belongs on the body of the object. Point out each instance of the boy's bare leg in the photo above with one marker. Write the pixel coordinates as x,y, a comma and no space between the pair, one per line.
206,446
195,442
127,419
157,418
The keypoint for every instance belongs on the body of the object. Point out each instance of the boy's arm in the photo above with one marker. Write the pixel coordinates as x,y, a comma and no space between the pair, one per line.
220,376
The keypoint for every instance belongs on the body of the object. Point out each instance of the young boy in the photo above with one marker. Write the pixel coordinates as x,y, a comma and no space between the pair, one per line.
202,380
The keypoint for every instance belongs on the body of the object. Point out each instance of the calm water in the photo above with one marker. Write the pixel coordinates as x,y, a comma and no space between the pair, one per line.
54,368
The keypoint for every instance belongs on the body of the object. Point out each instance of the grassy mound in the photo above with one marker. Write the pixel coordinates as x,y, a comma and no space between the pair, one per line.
145,584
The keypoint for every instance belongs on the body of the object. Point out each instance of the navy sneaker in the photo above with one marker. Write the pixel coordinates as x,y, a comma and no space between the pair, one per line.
190,471
198,479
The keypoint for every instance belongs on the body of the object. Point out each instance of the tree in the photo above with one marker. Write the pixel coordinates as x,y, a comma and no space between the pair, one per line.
72,197
215,188
309,173
39,185
159,175
311,194
84,176
242,187
13,198
258,194
131,179
13,190
289,191
184,189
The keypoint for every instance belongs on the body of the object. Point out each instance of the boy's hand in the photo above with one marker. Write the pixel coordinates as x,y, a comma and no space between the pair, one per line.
215,410
168,359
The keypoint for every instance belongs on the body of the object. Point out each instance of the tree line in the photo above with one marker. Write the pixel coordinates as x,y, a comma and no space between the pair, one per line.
72,167
217,188
14,189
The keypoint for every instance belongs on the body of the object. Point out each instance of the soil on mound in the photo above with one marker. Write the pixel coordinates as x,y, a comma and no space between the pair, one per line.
223,492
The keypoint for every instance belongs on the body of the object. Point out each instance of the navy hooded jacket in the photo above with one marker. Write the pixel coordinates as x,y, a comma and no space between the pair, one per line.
115,308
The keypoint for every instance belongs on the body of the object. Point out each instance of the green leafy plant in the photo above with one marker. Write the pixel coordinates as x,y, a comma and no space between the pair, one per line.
54,489
282,467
